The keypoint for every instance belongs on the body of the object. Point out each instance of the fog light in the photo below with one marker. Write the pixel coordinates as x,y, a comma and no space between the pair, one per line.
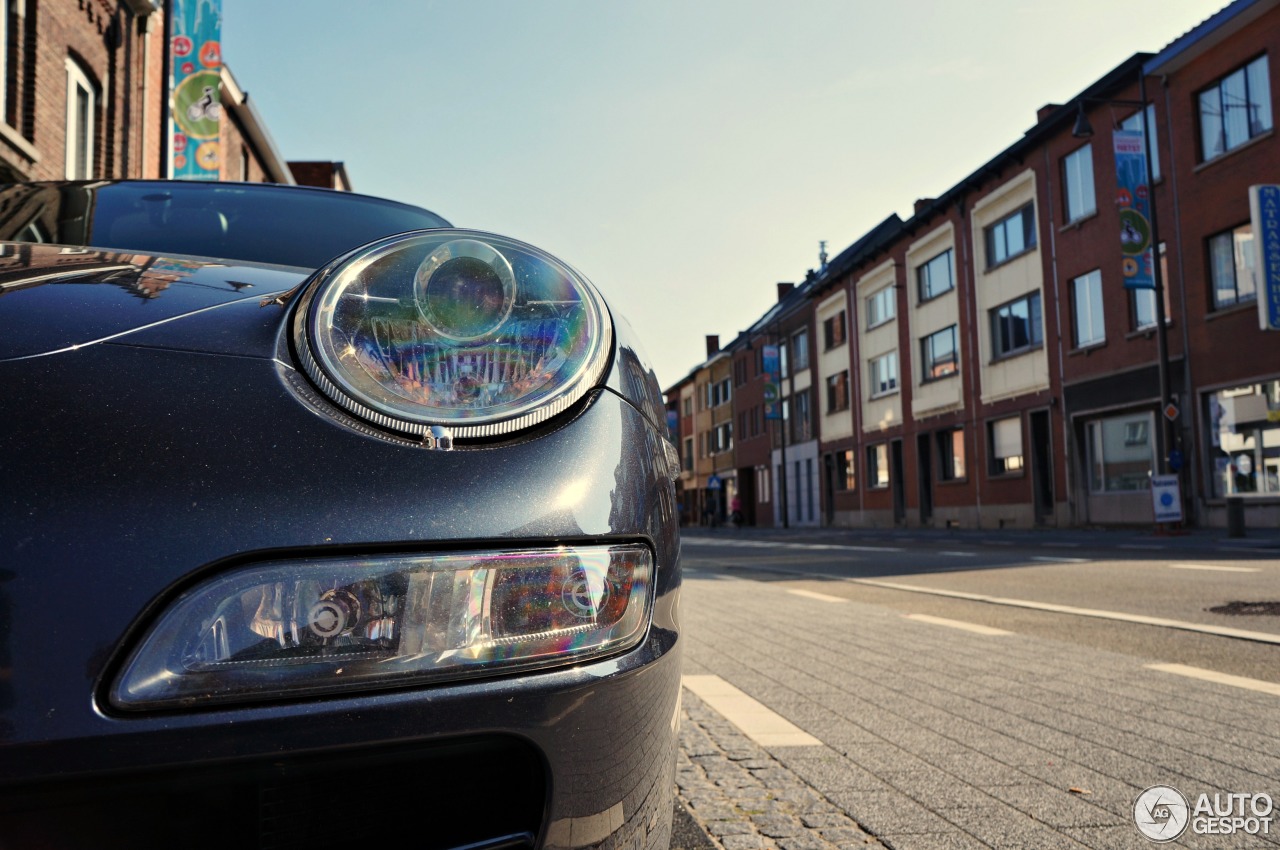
324,625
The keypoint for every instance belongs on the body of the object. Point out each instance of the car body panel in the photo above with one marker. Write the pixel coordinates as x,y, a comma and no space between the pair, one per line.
157,431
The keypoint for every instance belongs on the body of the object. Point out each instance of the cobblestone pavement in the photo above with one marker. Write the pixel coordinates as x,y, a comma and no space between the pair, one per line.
746,798
938,738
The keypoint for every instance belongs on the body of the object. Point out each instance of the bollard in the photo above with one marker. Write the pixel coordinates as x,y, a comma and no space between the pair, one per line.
1235,516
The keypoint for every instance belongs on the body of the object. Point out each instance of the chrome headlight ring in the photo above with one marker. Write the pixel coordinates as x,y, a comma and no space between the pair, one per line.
474,332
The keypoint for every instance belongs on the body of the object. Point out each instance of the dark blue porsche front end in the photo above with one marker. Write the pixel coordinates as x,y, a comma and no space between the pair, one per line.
385,551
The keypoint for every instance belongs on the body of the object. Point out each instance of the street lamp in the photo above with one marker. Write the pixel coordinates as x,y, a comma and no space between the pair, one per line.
1083,130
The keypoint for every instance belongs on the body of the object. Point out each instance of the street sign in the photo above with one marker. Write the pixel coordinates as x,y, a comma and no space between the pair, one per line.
1171,412
1264,209
1166,498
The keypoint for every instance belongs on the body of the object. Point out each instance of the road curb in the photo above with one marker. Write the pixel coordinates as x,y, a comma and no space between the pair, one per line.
745,799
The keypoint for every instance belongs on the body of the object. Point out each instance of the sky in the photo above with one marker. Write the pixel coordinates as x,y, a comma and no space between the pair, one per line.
684,155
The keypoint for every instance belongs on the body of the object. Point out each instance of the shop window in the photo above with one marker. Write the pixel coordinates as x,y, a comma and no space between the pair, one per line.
1244,440
1121,453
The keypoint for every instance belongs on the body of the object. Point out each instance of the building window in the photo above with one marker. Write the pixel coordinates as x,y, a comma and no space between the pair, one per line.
1077,176
1231,266
935,277
939,356
951,454
1134,124
880,307
878,466
1010,236
846,473
833,331
1086,301
1121,456
1143,301
1016,326
838,392
802,421
1235,109
1005,437
1244,440
688,454
884,374
763,490
81,104
800,342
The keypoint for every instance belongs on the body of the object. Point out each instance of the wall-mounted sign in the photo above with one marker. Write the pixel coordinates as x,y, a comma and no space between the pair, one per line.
1264,205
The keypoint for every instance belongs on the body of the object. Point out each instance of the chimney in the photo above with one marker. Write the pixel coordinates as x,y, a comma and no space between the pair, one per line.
1047,110
921,203
713,344
784,288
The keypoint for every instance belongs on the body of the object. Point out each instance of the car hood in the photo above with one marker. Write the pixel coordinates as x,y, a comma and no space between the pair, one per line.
55,298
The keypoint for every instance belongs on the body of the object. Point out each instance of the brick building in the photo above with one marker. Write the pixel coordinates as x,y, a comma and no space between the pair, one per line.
982,364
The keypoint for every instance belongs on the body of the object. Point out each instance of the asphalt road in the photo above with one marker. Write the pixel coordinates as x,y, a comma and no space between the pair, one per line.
974,691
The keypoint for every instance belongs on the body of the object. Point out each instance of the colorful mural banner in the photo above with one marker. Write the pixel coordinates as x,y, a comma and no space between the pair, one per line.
772,407
195,42
1133,199
1264,207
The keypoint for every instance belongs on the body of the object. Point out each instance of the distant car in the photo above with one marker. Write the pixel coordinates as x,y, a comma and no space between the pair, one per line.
325,524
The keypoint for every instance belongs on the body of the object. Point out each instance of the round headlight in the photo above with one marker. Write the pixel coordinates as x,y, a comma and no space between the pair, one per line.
471,331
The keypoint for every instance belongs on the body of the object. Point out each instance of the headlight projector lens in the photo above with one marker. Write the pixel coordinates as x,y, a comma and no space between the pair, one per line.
465,290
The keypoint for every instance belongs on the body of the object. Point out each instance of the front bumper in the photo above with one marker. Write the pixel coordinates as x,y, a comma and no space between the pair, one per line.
138,487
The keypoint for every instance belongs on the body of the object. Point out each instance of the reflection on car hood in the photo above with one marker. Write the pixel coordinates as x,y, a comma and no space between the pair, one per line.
55,298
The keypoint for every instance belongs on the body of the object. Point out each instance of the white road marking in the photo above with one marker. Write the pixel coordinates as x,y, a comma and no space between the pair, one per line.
1220,631
768,544
1213,568
1220,678
1054,559
956,624
821,597
757,722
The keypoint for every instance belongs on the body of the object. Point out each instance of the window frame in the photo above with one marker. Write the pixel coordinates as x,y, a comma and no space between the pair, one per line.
1240,249
1026,214
951,467
927,355
999,466
875,382
1035,327
834,332
78,79
925,275
887,295
1134,124
1093,281
1248,79
878,466
1080,199
834,383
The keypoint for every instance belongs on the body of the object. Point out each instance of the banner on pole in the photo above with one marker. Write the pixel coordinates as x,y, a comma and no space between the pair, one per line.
1133,198
195,104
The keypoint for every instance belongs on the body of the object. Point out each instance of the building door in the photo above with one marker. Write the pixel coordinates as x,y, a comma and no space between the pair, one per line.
926,479
1041,466
896,481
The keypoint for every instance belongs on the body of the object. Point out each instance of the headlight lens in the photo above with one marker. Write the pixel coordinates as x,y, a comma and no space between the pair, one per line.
468,330
308,627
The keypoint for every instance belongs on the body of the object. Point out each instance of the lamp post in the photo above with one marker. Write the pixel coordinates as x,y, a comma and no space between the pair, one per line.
1083,129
